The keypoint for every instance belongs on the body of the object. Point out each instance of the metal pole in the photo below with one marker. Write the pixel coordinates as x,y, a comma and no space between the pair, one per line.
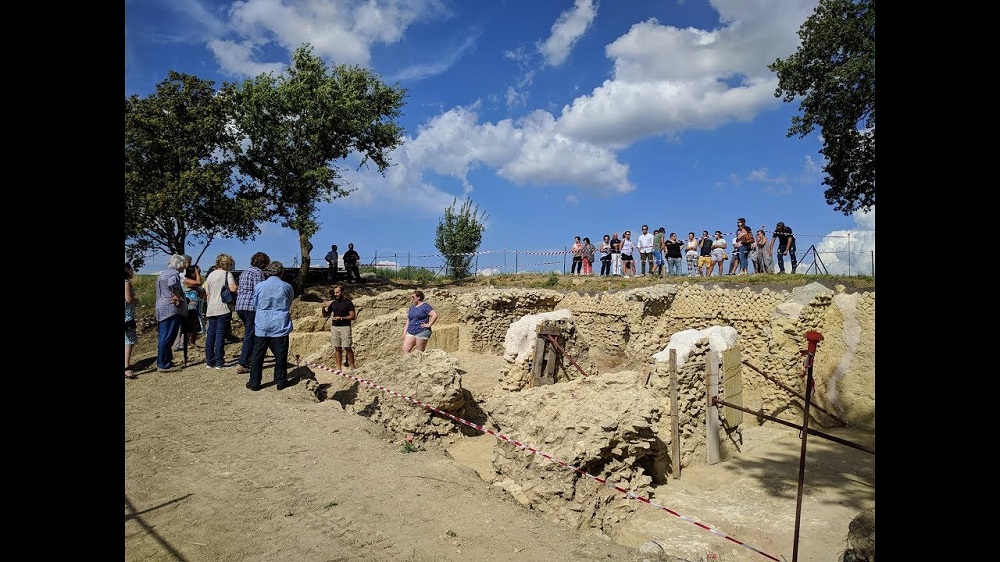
813,338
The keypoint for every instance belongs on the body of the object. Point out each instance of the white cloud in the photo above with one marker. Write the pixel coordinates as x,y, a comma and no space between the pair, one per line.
547,157
566,31
343,32
848,252
667,79
526,153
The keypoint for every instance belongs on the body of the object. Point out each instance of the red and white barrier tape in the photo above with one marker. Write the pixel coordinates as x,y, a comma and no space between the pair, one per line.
545,455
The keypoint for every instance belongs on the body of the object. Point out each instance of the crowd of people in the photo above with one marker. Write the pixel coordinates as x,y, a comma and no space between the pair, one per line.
704,256
188,304
263,302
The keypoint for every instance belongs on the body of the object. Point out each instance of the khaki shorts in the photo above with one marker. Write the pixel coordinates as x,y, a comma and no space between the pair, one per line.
340,336
704,261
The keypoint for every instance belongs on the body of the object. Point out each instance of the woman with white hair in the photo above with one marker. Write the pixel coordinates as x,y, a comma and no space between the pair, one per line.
171,309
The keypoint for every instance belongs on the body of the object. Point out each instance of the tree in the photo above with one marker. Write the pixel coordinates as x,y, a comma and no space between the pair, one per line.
178,171
298,124
833,71
459,234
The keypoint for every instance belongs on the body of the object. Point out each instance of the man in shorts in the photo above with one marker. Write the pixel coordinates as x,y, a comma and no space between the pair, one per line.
342,313
705,255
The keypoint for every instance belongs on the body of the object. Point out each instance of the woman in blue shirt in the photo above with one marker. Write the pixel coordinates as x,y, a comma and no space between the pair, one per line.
419,319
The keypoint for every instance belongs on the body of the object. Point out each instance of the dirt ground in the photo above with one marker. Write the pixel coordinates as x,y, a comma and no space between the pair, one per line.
215,472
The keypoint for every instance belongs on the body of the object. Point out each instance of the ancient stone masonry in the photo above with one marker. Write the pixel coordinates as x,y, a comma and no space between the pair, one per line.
612,420
604,426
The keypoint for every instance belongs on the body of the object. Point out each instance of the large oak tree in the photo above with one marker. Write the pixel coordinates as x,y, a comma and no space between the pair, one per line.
297,125
178,171
833,73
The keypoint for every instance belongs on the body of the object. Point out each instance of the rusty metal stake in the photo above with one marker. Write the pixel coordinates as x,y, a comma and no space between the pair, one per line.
813,338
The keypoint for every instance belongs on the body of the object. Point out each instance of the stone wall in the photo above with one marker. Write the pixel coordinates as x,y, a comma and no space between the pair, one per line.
613,421
623,330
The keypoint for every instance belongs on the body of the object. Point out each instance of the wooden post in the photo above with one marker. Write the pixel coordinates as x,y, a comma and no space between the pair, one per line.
543,366
711,410
675,431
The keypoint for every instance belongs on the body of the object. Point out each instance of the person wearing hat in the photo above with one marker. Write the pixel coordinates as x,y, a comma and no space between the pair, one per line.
272,324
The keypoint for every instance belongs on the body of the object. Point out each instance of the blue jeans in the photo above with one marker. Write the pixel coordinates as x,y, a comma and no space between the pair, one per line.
279,347
218,327
743,251
169,328
247,316
781,258
674,267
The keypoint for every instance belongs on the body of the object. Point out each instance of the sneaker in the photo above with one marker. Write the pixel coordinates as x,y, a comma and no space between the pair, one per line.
252,387
241,370
170,369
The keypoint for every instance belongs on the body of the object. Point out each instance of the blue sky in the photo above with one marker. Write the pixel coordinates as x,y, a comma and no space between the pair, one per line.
557,118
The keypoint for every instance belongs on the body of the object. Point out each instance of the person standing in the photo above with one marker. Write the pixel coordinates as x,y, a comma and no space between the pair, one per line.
171,308
245,307
351,259
191,284
419,319
674,249
741,245
193,324
219,314
658,248
628,261
719,251
577,250
762,263
705,254
746,241
786,245
605,250
645,246
616,255
331,261
342,313
131,337
588,256
734,265
272,300
691,253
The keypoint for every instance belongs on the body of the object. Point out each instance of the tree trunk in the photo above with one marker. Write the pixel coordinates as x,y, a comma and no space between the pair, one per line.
305,249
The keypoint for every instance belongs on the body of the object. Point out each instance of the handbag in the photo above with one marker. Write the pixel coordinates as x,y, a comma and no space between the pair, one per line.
228,297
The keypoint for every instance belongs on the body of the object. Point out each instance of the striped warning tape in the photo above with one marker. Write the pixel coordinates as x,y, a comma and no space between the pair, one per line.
523,446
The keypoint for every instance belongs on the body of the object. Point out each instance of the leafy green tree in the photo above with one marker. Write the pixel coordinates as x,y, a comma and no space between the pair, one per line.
459,234
833,71
178,171
298,124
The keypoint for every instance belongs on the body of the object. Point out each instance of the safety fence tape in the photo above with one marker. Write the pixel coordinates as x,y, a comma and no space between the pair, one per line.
523,446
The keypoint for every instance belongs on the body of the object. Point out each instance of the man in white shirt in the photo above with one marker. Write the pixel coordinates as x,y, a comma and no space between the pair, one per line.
645,246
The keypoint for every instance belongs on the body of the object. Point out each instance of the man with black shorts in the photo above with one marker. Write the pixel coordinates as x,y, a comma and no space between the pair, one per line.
342,313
